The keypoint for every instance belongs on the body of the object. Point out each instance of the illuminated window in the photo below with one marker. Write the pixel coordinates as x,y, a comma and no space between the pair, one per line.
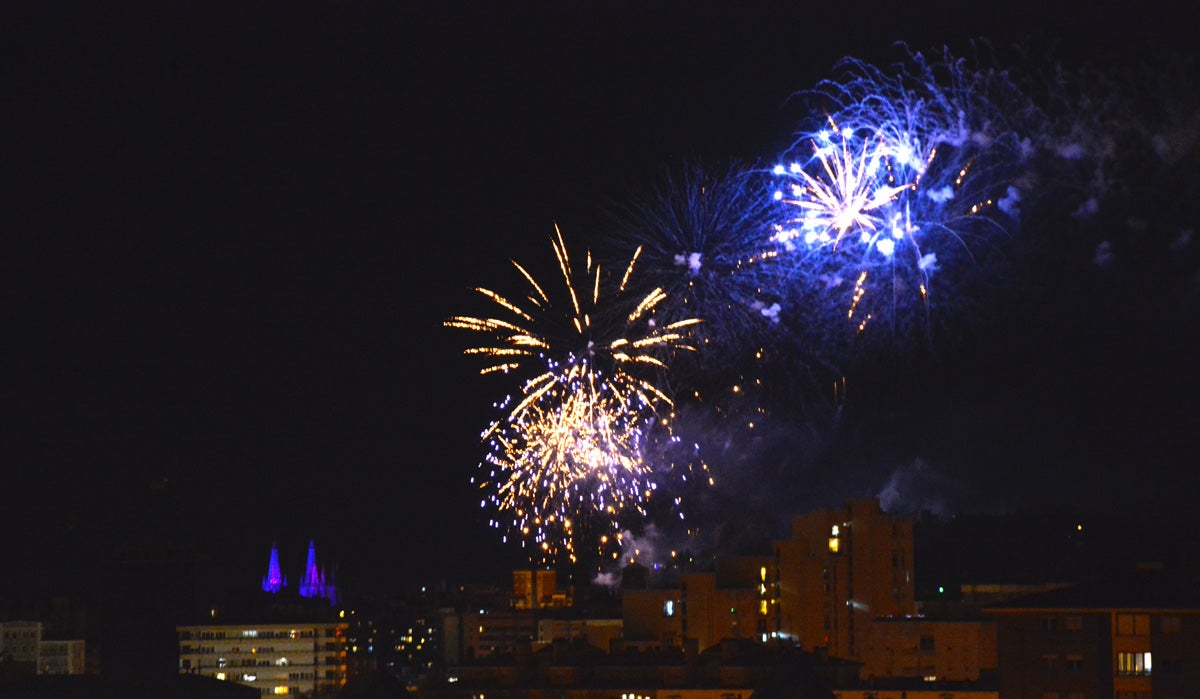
1133,663
833,544
280,689
220,675
669,608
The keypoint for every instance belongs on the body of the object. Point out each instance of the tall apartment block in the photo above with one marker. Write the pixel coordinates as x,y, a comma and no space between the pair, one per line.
841,569
291,658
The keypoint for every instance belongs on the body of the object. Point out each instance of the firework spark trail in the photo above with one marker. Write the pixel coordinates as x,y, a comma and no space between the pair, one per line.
845,196
700,229
574,451
569,448
700,232
914,175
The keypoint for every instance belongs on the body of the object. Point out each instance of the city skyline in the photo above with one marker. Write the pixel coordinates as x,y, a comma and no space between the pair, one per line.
239,234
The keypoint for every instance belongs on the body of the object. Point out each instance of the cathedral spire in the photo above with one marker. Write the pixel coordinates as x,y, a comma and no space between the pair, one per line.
274,580
314,583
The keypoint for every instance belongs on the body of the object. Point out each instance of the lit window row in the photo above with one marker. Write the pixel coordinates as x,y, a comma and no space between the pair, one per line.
1133,663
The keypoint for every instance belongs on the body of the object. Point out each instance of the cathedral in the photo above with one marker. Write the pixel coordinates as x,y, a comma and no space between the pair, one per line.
315,583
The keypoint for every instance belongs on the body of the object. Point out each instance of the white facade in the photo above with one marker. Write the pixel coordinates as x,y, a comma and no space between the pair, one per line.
62,657
22,642
19,640
276,659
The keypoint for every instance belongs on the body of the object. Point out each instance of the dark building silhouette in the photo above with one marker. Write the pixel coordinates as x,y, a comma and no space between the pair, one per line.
1134,636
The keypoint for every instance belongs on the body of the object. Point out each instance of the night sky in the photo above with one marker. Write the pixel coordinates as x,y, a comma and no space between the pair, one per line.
233,235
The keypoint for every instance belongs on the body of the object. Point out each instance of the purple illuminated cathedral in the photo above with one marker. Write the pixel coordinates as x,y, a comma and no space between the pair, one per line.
274,580
314,584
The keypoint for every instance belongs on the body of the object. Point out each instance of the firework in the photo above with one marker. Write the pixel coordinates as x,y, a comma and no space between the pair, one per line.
701,232
573,453
701,235
568,450
911,182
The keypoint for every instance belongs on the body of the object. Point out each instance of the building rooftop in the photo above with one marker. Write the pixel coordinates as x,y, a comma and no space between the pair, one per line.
1144,588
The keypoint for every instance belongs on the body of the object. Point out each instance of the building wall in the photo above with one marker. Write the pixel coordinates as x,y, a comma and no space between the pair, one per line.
1175,642
742,571
19,640
952,651
653,615
698,609
1130,637
1078,652
719,693
917,694
824,598
533,589
704,618
1047,651
726,613
472,634
454,649
22,642
62,658
841,569
595,632
273,658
